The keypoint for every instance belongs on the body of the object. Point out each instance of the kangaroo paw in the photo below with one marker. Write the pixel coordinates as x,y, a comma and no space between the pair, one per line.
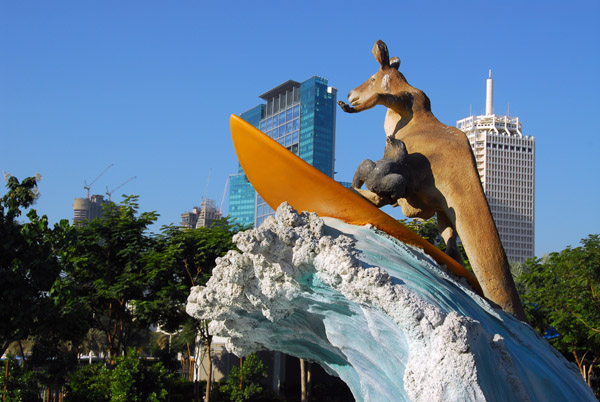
346,107
378,200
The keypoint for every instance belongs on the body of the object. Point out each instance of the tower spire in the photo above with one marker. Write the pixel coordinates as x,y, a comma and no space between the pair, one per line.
489,96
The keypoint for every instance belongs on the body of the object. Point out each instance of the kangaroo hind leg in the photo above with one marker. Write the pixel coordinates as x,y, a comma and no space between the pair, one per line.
450,237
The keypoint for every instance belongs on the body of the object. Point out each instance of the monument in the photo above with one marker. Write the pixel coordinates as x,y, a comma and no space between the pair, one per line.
351,288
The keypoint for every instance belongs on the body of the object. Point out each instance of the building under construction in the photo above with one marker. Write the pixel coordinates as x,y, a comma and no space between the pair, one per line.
91,207
202,216
85,209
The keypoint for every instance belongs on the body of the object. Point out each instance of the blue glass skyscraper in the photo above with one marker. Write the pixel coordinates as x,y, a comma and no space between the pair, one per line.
301,117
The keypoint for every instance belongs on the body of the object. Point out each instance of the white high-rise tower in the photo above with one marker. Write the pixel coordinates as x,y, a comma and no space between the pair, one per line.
506,164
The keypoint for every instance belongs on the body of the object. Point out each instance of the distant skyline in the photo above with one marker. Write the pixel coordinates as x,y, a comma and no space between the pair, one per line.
149,86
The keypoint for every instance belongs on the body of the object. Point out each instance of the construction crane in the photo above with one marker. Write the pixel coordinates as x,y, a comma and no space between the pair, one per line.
224,192
206,186
109,193
88,186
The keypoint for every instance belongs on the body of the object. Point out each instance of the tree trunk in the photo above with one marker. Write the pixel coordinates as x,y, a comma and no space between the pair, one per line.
580,365
303,394
207,337
5,381
308,381
209,376
589,374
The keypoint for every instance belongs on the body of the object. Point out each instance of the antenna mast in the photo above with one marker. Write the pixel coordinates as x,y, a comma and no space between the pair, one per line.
489,96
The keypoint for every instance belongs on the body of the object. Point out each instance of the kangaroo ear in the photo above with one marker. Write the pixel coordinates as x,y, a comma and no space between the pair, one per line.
395,62
380,51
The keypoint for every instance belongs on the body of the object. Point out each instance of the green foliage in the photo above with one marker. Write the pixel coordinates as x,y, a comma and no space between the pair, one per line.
181,259
561,295
132,382
129,381
89,384
28,264
429,230
97,287
22,384
105,272
243,385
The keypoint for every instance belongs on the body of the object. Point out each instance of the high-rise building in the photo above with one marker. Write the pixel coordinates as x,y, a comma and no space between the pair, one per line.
506,163
202,216
85,209
301,117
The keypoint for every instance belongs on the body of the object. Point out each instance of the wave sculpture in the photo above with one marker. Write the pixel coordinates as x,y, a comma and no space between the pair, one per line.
379,314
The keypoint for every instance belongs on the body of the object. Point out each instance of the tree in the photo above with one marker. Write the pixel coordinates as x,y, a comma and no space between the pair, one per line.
19,383
427,229
562,301
105,274
305,380
129,381
28,264
245,382
183,258
180,259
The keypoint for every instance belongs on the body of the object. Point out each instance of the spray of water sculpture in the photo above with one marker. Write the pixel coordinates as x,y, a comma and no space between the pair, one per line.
381,315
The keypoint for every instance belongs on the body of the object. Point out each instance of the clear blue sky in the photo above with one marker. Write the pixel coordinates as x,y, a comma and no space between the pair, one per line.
150,85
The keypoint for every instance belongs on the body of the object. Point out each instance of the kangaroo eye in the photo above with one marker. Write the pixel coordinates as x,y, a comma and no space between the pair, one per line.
372,79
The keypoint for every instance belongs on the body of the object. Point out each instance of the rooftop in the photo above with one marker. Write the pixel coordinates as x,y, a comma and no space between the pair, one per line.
283,88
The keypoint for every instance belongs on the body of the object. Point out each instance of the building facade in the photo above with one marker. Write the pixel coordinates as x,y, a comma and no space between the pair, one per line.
202,216
86,209
189,219
301,117
506,164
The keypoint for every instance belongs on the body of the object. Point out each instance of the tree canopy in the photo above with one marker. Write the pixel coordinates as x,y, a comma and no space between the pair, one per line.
28,264
561,295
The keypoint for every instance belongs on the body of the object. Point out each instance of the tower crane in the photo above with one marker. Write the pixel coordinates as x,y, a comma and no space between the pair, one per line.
224,192
109,193
207,181
88,186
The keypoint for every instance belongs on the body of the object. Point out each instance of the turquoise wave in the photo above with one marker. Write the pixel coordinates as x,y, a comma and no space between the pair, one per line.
381,315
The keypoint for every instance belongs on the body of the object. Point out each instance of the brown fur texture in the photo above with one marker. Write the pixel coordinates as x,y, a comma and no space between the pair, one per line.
445,177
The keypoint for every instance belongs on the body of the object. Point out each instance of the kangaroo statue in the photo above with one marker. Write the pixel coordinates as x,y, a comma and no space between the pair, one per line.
444,175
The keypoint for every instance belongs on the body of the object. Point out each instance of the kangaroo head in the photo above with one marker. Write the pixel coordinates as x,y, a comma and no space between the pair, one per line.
388,80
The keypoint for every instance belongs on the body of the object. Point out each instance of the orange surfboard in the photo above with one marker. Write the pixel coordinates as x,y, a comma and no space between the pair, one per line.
278,175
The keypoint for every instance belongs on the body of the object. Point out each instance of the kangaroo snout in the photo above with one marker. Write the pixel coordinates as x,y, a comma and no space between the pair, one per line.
353,98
